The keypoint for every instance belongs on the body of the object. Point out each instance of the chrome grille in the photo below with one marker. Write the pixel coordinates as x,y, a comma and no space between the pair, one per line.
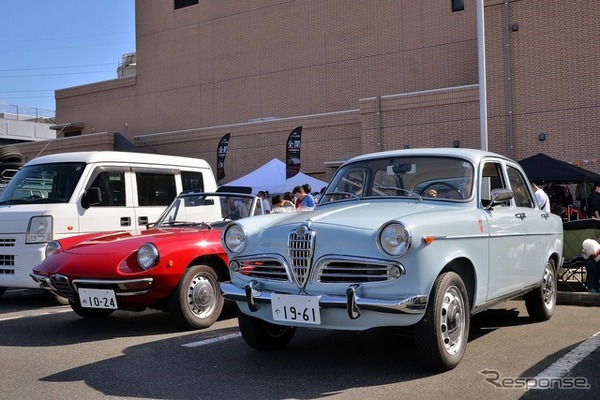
62,283
354,271
7,242
300,251
266,269
8,261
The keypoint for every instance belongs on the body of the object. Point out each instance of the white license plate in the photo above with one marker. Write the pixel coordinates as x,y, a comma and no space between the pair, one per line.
292,308
97,298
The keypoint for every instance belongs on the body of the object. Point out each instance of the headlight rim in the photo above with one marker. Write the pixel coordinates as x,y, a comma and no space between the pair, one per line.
408,241
153,250
52,247
239,248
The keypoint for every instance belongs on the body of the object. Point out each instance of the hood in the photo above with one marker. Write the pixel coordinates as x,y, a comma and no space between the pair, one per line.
15,217
124,242
357,214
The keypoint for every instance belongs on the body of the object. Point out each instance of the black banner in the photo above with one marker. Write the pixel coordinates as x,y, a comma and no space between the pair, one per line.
221,153
292,153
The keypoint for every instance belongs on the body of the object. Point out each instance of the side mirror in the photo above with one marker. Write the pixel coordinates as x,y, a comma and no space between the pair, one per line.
91,197
500,196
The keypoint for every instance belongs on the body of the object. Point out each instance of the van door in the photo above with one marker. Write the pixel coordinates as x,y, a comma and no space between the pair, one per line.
116,209
155,189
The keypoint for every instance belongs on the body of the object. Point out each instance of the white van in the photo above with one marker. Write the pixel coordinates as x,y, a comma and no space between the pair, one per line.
61,195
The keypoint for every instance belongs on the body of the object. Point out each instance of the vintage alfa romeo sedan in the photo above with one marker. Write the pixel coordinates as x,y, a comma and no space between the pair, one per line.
419,237
175,265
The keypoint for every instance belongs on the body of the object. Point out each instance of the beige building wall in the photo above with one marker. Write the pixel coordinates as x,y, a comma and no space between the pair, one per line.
359,76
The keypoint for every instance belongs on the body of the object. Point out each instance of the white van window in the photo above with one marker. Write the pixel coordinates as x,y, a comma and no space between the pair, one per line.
112,188
47,183
192,181
155,189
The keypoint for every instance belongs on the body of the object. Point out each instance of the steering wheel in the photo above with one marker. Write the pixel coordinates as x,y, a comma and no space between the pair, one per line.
441,183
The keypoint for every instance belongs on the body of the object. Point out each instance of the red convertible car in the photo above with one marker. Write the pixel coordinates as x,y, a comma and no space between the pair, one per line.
175,265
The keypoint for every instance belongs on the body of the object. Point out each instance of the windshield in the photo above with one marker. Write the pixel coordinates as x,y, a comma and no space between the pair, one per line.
43,183
199,208
426,177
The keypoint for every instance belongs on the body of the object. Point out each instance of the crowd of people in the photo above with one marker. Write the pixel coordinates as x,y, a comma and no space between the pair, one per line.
300,198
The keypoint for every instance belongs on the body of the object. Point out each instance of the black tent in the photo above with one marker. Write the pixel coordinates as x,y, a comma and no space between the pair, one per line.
544,169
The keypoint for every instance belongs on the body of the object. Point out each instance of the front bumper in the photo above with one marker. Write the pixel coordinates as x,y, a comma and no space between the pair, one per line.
64,287
253,295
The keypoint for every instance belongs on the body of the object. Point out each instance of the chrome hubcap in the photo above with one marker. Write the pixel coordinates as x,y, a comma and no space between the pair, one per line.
202,296
548,287
452,320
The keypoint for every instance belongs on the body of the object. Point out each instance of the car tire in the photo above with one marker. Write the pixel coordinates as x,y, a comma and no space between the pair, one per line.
541,302
197,302
2,291
90,313
10,153
441,336
262,335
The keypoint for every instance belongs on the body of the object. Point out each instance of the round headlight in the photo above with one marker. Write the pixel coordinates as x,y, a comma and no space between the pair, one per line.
52,248
234,239
147,256
394,239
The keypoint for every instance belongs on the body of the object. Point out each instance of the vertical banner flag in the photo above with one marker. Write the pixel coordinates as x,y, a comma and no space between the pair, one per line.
221,153
292,153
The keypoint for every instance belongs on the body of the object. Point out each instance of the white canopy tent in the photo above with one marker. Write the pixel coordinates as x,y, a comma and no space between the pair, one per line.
271,178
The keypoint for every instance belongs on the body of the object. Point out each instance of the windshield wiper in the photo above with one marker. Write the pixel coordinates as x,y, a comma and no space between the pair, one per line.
407,191
188,223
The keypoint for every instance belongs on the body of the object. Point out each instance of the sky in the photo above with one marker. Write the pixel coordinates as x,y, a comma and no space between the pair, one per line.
47,45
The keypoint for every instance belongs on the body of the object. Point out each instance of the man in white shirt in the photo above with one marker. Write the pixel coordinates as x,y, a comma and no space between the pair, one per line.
542,198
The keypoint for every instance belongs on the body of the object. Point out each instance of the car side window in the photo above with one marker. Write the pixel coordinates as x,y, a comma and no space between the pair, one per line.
491,178
155,189
191,180
520,188
112,188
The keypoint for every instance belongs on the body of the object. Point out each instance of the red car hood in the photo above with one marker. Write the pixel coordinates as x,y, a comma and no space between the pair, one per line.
126,242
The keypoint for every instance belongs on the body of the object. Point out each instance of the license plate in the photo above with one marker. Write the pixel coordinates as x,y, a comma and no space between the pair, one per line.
293,308
97,298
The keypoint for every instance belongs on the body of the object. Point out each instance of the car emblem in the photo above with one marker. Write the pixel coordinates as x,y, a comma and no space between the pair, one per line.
301,231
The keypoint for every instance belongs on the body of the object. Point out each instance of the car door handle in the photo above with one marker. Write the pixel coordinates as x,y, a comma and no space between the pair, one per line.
521,216
143,220
125,221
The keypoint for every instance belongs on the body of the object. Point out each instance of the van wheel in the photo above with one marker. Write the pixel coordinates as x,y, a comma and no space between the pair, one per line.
262,335
540,302
2,291
197,302
91,313
441,336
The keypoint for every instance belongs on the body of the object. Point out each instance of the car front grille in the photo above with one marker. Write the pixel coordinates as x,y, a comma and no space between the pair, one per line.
7,260
354,271
264,269
7,242
300,251
63,285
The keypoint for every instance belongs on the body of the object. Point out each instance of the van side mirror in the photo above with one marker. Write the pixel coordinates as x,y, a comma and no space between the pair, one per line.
91,197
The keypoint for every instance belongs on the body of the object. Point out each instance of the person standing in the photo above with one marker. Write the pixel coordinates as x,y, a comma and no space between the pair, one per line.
595,202
265,202
308,201
542,198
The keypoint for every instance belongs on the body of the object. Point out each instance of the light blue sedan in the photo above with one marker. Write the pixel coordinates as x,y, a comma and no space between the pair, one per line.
418,237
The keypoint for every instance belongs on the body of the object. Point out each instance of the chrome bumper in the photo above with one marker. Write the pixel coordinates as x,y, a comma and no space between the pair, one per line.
252,294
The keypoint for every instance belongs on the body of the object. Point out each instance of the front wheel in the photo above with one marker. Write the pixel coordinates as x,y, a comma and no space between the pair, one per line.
540,302
197,302
441,336
262,335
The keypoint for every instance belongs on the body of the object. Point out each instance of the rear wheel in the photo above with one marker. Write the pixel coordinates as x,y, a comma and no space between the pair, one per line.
441,336
262,335
540,302
91,313
197,302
